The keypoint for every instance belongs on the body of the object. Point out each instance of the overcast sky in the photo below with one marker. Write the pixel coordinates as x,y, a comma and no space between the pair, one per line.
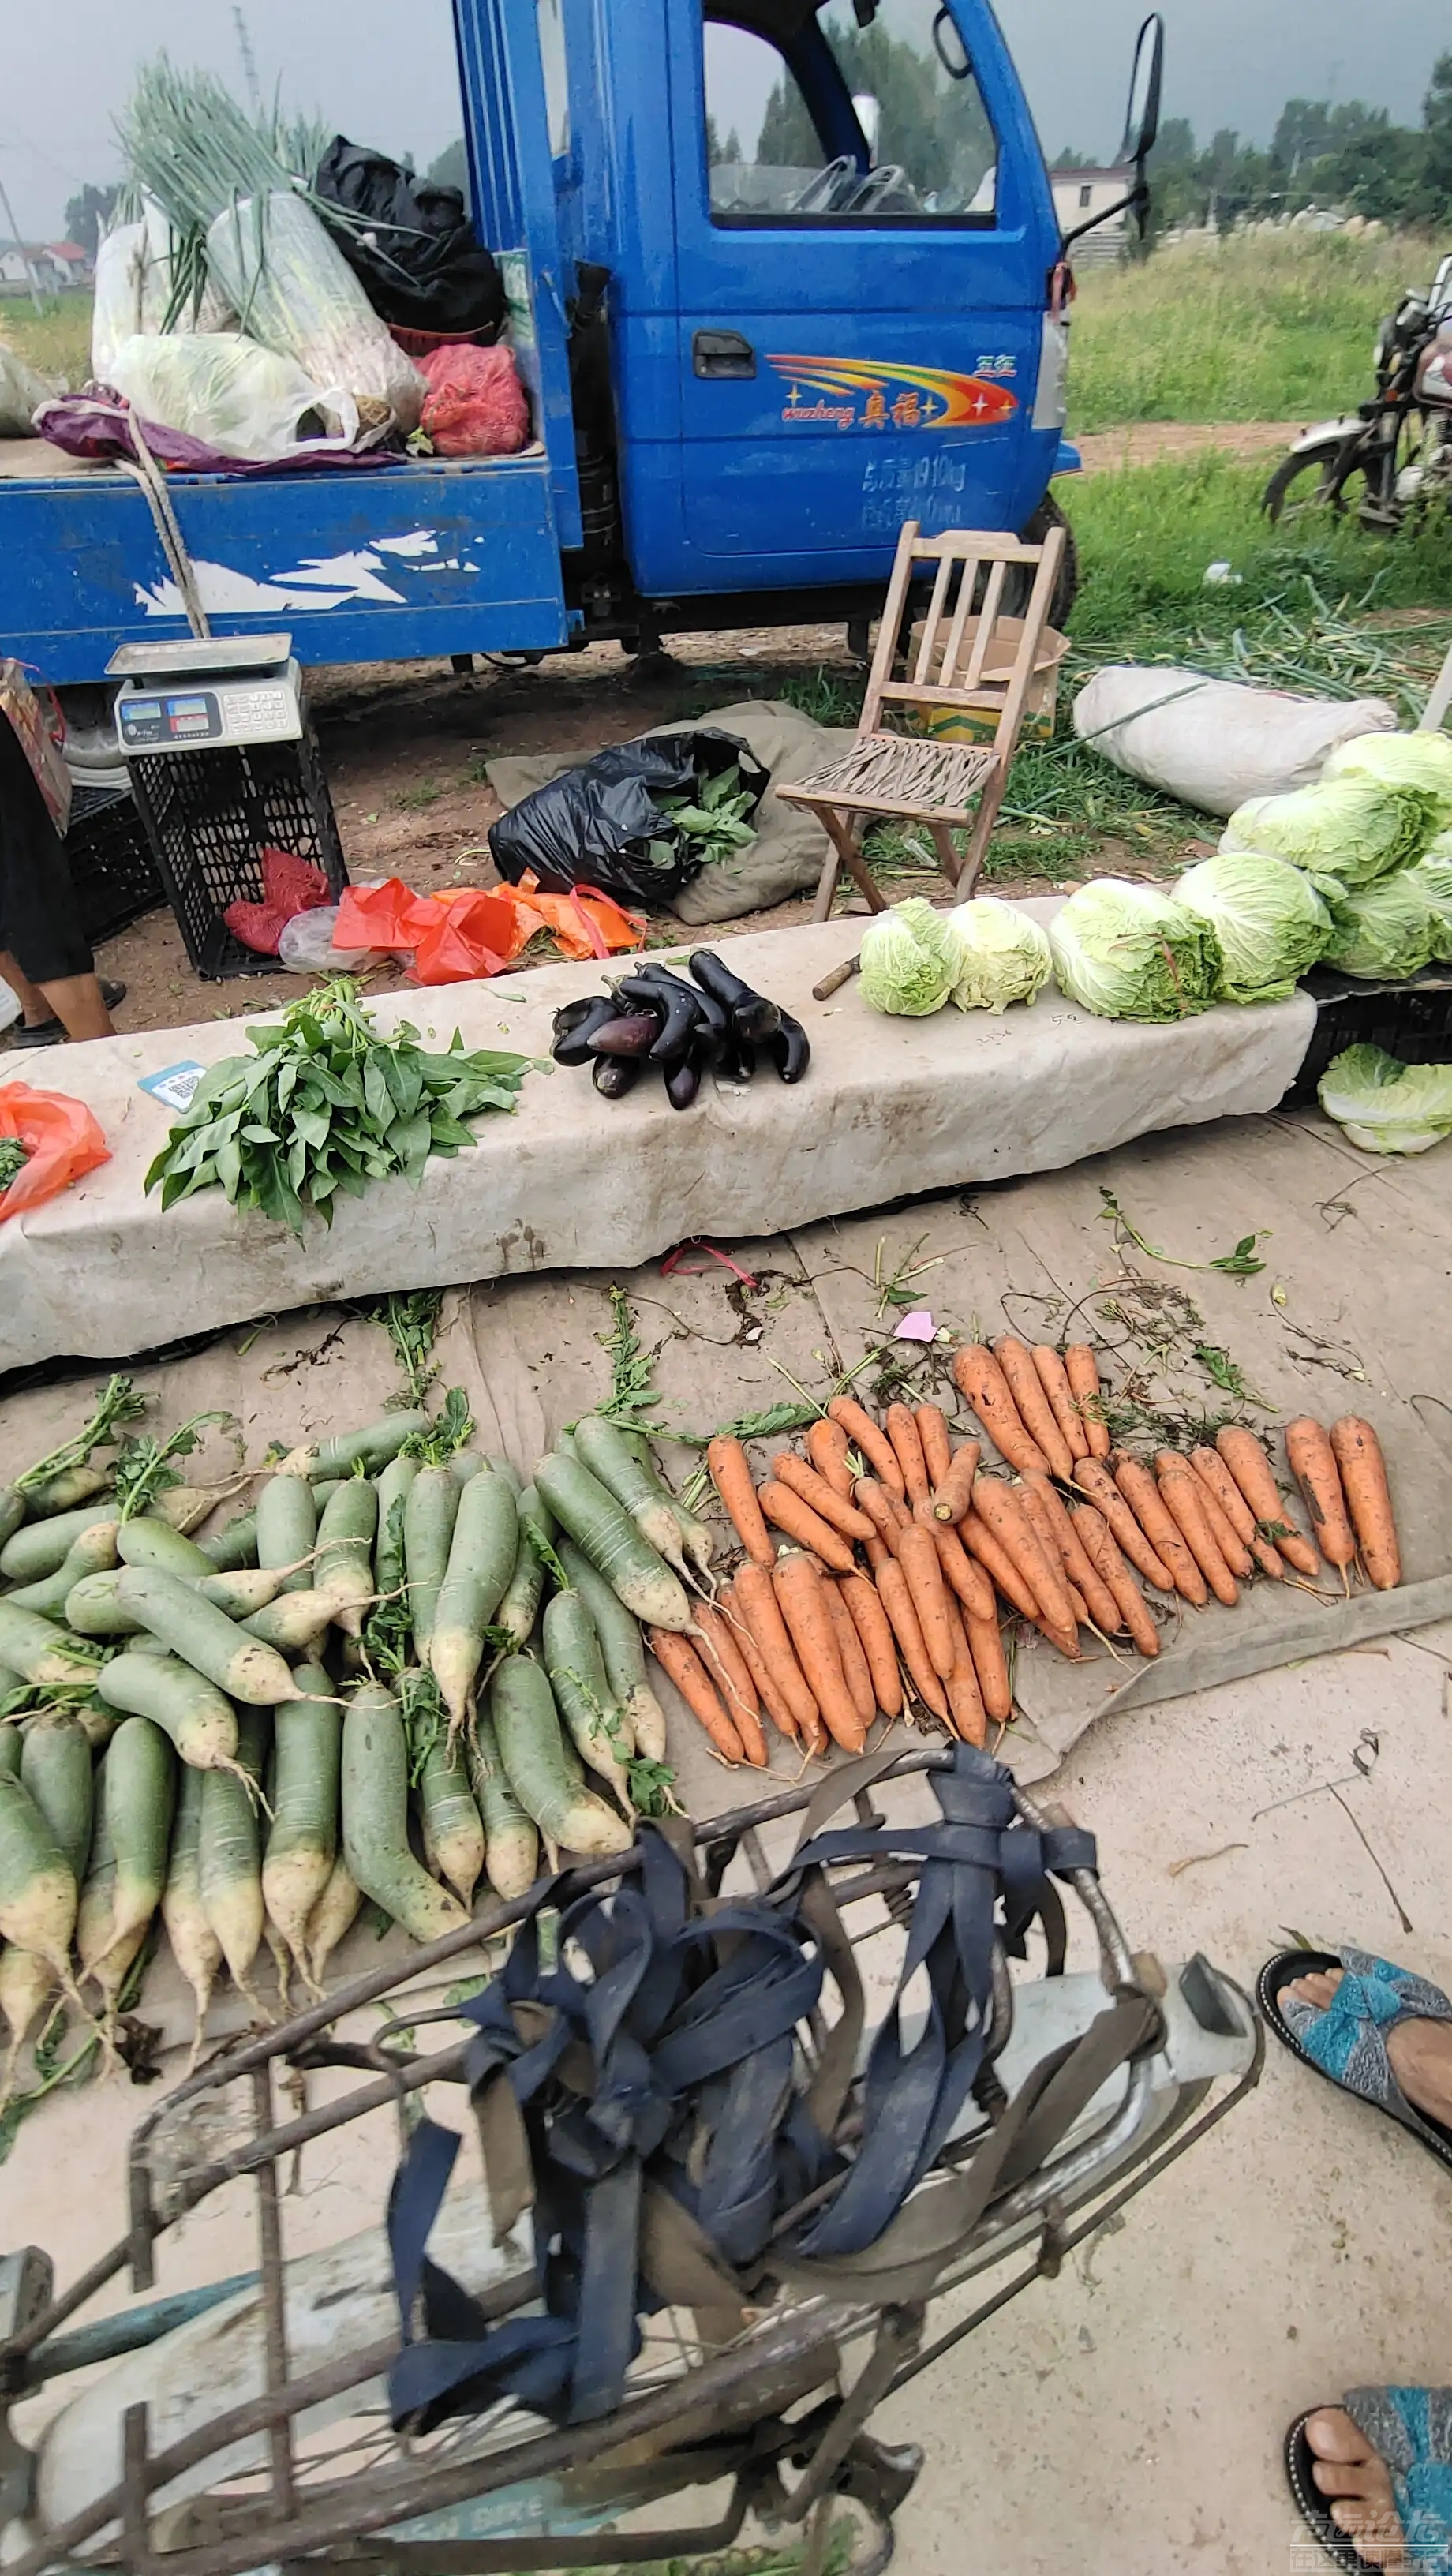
386,75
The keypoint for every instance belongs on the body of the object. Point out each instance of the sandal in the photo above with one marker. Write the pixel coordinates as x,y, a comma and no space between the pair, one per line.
49,1033
1411,2430
1347,2041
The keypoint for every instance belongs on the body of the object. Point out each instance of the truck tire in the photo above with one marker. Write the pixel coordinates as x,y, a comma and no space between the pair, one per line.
1066,588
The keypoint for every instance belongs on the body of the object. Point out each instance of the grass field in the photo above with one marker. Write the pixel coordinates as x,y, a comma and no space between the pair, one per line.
56,341
1258,326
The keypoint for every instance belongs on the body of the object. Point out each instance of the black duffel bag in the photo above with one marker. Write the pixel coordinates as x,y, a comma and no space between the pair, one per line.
419,260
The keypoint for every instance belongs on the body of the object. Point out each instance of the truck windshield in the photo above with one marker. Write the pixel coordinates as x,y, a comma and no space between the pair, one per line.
849,124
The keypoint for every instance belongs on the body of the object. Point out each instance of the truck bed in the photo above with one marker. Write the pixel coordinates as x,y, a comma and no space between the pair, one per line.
363,563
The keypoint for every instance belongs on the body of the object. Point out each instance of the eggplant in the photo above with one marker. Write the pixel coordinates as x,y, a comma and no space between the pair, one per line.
629,1037
684,1019
738,1064
791,1049
617,1074
750,1012
570,1014
573,1047
683,1081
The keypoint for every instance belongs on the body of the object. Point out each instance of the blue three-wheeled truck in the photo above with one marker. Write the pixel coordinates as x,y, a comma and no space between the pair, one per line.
745,373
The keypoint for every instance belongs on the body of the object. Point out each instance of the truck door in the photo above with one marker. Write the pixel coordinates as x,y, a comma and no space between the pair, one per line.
864,232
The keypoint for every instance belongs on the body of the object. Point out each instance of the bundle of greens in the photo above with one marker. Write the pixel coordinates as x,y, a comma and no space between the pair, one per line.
327,1103
13,1158
708,826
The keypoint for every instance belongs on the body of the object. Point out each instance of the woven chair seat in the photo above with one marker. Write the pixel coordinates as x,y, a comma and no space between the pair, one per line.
885,772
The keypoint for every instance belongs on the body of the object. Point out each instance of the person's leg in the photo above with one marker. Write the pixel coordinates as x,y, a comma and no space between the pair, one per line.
41,936
80,1006
32,1000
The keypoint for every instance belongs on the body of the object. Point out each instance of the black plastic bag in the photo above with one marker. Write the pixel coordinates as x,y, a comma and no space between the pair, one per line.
422,266
593,825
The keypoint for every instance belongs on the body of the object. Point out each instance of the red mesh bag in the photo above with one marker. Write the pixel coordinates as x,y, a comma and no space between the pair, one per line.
475,405
289,886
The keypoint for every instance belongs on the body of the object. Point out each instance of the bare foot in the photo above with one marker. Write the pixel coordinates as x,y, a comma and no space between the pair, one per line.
1355,2481
1419,2053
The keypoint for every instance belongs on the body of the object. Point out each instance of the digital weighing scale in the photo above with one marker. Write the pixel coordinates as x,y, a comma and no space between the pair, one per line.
199,696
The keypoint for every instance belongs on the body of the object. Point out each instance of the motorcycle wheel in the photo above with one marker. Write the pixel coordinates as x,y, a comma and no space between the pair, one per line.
1319,478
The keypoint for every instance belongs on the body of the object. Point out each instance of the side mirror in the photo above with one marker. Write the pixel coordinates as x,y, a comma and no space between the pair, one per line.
1142,116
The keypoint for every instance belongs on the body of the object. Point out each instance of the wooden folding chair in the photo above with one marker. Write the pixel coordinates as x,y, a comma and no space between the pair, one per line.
960,658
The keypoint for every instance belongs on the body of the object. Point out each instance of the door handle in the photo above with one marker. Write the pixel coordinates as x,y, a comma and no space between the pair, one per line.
722,353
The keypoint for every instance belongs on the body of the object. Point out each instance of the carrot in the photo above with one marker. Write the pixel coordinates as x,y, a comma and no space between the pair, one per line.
965,1700
1098,1544
1097,1483
856,1672
918,1558
902,1431
863,1432
953,1495
877,1553
937,1448
874,1630
960,1573
1234,1553
807,1527
800,1590
985,1644
1180,1492
771,1699
1035,1411
1236,1514
895,1594
730,1473
727,1668
978,1378
1077,1602
1082,1371
998,1565
1064,1640
827,1446
1139,1490
1000,1507
824,1499
1056,1530
1312,1461
1249,1467
678,1657
1054,1379
762,1615
1357,1452
877,1505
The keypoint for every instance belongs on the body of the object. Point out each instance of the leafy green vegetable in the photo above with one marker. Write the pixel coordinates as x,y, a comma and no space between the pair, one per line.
1268,919
633,1393
447,1432
116,1402
1241,1263
1005,956
1345,832
13,1158
1432,875
410,1322
1421,762
144,1468
1386,929
911,957
711,822
1385,1106
1128,952
327,1104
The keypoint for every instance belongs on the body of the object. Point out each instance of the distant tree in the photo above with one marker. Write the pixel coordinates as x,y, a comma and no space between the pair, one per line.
1437,151
720,155
1069,159
934,129
87,216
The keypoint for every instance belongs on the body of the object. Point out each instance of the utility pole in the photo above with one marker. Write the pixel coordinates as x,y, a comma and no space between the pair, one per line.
249,64
9,212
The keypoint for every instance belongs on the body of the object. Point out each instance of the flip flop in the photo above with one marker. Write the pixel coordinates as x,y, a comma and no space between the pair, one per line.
1347,2042
1409,2428
49,1033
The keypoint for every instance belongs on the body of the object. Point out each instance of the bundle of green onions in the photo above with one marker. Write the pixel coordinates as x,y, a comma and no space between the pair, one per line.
189,146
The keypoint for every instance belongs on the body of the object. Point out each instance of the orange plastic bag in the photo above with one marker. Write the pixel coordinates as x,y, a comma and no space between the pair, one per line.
585,922
473,933
385,916
60,1136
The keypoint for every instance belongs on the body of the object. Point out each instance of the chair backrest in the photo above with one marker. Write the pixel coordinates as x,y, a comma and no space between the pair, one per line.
961,656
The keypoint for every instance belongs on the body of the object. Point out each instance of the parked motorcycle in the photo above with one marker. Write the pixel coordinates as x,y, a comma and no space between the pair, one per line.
1398,445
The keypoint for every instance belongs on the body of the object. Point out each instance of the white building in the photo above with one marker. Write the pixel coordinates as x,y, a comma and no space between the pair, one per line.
1079,195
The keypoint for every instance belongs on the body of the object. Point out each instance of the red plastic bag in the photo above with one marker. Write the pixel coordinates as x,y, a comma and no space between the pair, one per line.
584,922
60,1136
290,885
473,934
475,405
384,916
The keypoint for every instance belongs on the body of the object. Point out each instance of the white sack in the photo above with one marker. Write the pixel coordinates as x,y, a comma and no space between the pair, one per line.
1214,743
223,389
295,292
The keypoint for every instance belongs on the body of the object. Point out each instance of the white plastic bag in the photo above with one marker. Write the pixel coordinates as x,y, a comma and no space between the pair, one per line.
133,291
22,391
306,946
1214,743
295,292
9,1006
245,401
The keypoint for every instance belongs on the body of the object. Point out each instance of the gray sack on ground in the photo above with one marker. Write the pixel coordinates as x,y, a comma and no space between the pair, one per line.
790,845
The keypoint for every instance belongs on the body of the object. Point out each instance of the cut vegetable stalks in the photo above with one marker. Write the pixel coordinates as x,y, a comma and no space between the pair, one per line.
229,1863
302,1841
375,1817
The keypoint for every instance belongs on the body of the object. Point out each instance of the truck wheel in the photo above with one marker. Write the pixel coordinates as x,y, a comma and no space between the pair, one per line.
1066,588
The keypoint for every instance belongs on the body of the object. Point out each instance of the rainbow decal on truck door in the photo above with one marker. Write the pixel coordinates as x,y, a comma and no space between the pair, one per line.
865,393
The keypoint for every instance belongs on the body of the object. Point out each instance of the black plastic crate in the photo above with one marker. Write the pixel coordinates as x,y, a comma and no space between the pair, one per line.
211,814
1412,1019
112,869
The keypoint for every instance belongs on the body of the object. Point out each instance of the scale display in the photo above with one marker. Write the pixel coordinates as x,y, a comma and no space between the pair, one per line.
245,710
